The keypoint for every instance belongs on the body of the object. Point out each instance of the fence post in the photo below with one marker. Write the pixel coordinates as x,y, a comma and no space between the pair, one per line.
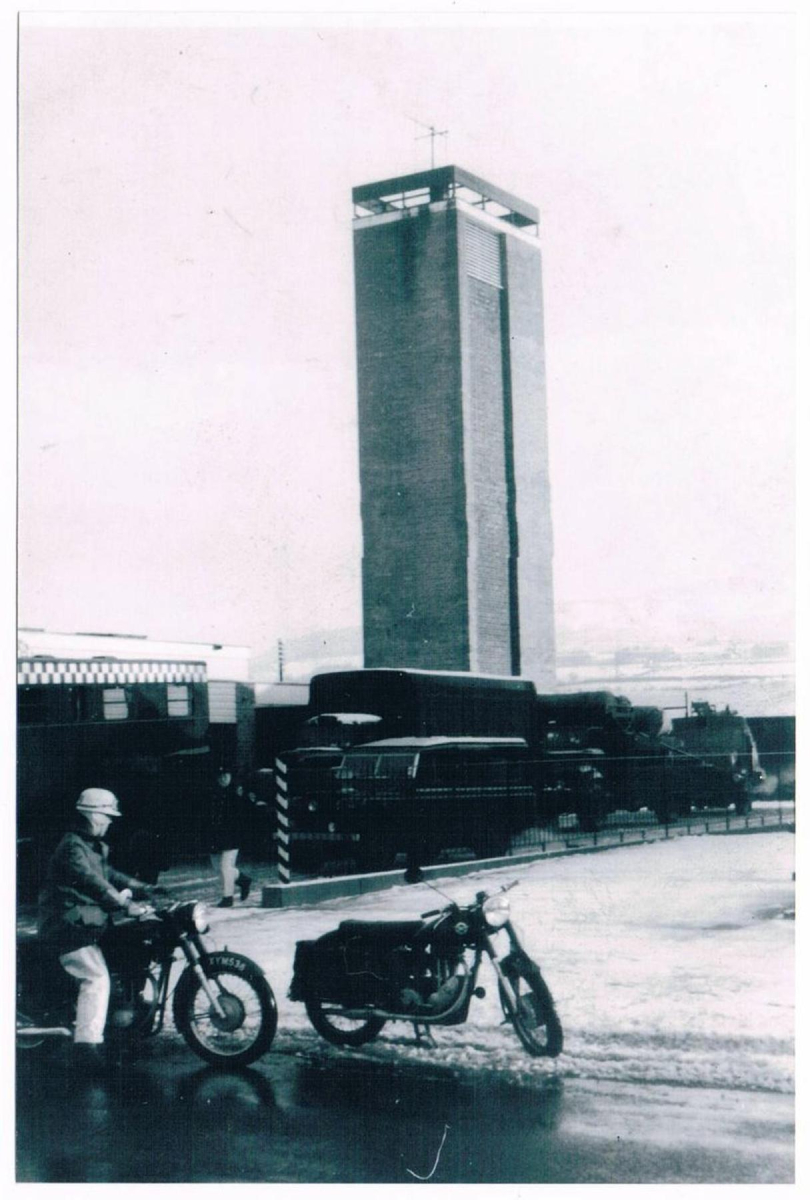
283,822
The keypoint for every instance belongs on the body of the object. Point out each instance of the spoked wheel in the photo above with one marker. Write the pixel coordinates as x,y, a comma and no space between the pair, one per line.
135,1014
534,1016
246,1025
340,1030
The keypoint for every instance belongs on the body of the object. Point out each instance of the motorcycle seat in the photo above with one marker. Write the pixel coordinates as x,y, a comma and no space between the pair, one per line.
389,933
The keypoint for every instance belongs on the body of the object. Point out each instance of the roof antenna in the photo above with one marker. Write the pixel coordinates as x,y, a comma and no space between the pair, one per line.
432,133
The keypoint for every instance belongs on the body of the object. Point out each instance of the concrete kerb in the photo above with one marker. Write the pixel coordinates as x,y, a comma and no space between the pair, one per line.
312,891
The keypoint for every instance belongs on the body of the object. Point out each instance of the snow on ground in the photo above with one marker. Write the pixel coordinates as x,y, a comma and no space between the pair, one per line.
670,963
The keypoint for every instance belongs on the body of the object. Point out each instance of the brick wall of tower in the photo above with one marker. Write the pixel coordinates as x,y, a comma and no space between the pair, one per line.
487,499
527,378
457,568
411,452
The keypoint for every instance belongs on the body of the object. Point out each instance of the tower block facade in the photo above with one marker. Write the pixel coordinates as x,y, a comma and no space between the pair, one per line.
457,557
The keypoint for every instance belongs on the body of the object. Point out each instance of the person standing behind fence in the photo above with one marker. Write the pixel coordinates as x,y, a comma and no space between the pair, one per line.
226,828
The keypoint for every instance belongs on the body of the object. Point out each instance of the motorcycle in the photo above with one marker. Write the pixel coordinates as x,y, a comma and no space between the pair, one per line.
357,977
222,1003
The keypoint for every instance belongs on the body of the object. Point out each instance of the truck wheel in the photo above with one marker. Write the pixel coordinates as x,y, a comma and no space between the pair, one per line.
492,844
376,852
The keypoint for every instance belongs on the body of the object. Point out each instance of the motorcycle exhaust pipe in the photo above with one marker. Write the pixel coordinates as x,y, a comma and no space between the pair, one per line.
37,1031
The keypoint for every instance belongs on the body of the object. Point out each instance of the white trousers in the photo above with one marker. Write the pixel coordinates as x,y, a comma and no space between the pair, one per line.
225,863
88,966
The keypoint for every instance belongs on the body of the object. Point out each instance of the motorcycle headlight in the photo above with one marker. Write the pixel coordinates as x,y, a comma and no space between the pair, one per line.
496,911
199,918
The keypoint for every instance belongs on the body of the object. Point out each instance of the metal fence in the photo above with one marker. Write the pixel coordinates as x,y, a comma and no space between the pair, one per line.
329,823
628,828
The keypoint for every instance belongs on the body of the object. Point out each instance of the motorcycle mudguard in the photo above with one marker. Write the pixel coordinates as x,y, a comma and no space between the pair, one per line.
45,992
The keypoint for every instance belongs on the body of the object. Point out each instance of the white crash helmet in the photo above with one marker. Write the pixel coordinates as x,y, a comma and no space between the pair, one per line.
98,800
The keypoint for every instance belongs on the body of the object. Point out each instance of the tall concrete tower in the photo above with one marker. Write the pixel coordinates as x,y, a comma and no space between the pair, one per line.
457,540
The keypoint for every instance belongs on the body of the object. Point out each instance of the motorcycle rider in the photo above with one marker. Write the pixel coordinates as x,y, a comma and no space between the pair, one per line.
80,892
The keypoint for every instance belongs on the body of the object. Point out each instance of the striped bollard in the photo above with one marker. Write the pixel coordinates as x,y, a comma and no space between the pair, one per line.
282,822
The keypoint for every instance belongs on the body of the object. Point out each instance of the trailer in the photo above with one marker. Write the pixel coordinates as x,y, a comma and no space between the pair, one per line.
152,720
137,726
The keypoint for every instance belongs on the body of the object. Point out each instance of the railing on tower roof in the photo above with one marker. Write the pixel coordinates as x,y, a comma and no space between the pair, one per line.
442,183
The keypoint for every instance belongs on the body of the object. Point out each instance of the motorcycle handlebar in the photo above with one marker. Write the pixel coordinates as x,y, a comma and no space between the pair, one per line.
139,911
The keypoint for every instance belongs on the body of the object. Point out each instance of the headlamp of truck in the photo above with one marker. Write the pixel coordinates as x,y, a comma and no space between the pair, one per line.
496,911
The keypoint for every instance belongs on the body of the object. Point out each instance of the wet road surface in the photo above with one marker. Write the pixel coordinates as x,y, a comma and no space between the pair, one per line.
339,1119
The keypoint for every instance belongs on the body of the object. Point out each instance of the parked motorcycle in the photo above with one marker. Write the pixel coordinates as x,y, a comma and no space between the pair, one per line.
222,1003
364,973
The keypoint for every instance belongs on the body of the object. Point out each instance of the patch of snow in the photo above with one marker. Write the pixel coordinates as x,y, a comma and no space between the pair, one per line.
669,963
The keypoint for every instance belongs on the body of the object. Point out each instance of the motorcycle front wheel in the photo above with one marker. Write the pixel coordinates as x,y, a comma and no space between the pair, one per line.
534,1017
245,1028
338,1029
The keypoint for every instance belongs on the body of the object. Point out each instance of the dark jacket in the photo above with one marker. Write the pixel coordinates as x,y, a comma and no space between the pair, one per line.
227,818
81,889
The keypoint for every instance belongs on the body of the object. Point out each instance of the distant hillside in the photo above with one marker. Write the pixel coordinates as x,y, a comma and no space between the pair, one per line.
676,619
756,679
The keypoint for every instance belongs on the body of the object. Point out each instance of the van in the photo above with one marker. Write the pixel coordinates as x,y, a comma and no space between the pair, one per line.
425,795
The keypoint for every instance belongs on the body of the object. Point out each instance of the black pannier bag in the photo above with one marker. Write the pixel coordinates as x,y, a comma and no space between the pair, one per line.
339,968
354,964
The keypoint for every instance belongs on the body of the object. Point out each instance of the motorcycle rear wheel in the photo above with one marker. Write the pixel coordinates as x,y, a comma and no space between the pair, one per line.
340,1030
534,1018
27,1044
248,1026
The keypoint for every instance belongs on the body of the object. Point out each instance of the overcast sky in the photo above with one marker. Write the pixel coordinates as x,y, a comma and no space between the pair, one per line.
188,440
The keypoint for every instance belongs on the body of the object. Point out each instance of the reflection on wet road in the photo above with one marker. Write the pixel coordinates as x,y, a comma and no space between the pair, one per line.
339,1119
285,1120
